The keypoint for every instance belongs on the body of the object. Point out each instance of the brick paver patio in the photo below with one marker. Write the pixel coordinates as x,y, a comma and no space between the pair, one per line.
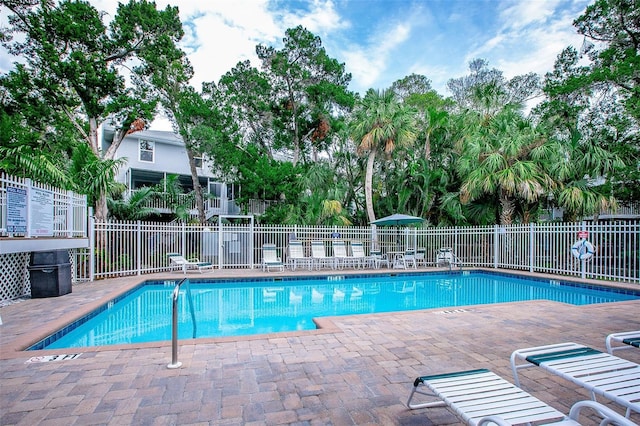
357,370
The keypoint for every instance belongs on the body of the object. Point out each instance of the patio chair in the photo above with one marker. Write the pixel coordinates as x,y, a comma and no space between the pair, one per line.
270,258
410,258
446,257
376,258
421,258
178,261
296,255
360,259
340,255
623,340
599,373
319,255
481,397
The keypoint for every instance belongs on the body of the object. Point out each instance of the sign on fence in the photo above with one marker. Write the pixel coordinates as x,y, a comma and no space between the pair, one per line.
30,210
41,212
16,210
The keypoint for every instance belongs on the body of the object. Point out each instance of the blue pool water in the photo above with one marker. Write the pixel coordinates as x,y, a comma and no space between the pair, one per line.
232,308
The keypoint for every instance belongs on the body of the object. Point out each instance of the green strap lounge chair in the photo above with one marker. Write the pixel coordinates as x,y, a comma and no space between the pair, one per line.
481,398
297,256
624,340
178,261
600,373
270,258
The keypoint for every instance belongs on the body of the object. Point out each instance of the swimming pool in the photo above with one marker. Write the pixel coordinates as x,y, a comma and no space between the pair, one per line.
224,307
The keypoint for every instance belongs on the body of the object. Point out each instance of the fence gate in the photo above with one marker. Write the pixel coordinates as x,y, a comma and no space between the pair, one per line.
235,241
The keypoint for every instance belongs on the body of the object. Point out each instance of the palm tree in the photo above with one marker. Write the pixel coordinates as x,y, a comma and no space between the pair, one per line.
133,208
436,120
84,173
380,125
504,156
581,164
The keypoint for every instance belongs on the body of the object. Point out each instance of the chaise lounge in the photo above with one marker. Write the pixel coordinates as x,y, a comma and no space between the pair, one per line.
599,373
270,258
179,261
623,340
481,397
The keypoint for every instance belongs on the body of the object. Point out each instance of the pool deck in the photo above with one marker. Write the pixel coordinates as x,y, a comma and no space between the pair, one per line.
356,370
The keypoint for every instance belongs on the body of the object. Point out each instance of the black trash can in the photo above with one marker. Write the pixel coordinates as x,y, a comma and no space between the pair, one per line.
50,273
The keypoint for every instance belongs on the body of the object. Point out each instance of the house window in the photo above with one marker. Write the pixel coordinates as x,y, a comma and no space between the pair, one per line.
198,162
146,151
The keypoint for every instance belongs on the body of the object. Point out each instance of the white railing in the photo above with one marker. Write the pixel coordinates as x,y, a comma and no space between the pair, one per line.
627,211
135,248
258,207
158,201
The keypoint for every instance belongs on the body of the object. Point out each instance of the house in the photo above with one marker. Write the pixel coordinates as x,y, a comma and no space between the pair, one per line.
152,155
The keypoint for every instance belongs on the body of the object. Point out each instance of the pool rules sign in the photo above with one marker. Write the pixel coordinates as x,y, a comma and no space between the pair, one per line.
30,211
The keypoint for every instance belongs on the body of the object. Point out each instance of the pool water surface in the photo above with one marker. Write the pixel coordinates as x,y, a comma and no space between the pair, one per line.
236,308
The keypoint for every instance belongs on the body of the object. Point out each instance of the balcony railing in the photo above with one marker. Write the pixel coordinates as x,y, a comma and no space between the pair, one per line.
161,202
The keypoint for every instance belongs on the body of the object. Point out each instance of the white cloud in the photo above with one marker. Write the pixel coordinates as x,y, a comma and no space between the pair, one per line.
519,14
368,63
530,37
320,20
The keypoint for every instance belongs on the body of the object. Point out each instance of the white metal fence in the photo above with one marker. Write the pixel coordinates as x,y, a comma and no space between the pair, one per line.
135,248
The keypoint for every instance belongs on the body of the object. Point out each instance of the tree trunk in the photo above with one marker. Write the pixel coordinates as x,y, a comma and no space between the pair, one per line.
368,185
507,209
197,189
101,210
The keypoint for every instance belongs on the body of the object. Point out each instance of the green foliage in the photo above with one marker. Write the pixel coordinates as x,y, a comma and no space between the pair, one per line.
502,157
81,69
307,87
133,208
292,131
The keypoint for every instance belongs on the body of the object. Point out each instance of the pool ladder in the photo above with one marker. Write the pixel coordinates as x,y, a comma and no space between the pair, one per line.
174,321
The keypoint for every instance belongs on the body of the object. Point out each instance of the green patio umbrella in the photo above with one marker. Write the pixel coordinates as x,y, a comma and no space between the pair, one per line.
397,219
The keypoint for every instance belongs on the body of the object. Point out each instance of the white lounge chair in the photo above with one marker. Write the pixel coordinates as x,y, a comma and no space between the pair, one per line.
296,256
481,397
270,258
360,259
340,255
624,340
319,255
599,373
178,261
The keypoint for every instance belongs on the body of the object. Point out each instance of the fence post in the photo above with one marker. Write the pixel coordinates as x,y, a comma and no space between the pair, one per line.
583,262
92,245
220,244
496,249
531,247
184,240
29,186
69,219
138,247
252,258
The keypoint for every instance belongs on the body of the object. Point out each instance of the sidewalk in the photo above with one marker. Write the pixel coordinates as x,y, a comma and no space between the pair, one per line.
357,370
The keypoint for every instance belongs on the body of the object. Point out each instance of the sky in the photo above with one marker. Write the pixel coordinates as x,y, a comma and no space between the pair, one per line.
379,41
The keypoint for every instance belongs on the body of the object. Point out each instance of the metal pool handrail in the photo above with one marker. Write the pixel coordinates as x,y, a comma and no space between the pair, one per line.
174,327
